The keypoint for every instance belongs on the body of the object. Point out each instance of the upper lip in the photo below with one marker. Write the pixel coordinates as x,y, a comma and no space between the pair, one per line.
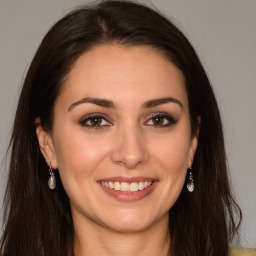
128,179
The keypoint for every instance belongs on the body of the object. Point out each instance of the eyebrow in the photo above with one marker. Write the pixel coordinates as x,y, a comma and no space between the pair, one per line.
156,102
97,101
110,104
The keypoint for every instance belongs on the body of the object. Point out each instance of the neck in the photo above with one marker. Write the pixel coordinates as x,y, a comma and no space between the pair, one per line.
93,239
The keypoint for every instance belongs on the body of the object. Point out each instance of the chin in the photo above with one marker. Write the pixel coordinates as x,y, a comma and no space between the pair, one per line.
130,226
128,222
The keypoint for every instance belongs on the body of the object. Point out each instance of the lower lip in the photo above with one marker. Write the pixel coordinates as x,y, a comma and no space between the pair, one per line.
129,196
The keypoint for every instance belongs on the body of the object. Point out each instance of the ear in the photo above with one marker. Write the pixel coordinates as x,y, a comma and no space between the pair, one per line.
46,144
193,143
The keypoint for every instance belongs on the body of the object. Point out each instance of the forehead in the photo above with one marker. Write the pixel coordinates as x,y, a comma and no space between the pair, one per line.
124,74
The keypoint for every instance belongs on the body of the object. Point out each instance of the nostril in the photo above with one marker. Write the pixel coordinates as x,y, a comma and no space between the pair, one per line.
130,152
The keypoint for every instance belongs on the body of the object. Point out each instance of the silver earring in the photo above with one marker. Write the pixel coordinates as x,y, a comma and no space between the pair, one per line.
190,183
51,180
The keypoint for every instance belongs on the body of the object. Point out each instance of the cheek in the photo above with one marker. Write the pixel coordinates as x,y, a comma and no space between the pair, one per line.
172,152
171,158
78,156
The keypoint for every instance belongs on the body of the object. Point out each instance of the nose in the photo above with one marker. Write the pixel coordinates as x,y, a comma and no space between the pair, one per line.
130,149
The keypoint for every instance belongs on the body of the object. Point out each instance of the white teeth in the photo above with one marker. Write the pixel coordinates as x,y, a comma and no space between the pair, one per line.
117,185
134,187
141,185
127,187
111,185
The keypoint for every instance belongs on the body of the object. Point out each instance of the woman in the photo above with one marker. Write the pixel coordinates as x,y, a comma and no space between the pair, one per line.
117,146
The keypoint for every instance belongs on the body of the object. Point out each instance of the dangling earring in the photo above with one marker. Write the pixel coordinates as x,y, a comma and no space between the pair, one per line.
190,183
51,180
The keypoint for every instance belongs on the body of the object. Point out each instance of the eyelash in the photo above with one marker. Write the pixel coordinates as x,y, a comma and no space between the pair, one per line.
94,116
165,118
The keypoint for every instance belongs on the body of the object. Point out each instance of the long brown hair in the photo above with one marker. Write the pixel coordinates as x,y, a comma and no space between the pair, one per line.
38,221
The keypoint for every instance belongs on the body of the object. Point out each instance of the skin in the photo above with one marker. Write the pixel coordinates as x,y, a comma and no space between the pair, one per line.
127,143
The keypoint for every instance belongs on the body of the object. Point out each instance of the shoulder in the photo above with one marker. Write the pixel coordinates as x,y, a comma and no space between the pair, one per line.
240,251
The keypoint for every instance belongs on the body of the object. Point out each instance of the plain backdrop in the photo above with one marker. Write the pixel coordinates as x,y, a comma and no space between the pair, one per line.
224,35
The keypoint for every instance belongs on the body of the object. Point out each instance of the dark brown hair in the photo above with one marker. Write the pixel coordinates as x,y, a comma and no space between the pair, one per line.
38,221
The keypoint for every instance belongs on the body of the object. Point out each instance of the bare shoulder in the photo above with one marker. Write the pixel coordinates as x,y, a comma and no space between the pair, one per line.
240,251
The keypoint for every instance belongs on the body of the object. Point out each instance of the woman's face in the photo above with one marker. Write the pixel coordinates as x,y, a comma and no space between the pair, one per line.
121,138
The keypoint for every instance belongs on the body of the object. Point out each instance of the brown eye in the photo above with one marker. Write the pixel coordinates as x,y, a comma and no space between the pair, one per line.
95,121
161,121
158,120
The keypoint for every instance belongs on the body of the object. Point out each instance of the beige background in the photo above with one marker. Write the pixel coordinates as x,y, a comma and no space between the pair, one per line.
224,35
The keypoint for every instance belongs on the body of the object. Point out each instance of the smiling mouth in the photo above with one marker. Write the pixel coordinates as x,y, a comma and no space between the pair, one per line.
127,187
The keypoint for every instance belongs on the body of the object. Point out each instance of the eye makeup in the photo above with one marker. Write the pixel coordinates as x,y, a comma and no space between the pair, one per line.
161,120
100,120
95,121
